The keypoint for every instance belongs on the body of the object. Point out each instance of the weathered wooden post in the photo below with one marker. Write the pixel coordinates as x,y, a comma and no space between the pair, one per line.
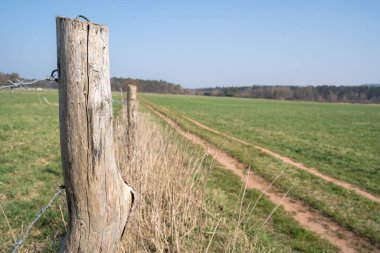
99,201
132,118
122,96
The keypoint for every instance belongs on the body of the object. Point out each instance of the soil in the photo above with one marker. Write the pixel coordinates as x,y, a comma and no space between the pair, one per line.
308,217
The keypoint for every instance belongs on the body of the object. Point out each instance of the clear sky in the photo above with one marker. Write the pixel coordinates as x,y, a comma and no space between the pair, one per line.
208,43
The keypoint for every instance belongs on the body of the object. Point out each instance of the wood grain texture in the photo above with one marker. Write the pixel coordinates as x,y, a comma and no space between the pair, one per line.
98,199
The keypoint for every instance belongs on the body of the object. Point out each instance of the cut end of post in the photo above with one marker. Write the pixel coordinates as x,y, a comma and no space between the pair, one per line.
132,87
59,18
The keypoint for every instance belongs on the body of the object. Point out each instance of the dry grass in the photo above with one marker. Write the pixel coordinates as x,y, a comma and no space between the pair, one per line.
170,184
170,177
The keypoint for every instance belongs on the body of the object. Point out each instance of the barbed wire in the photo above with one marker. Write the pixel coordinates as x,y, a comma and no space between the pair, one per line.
21,241
22,83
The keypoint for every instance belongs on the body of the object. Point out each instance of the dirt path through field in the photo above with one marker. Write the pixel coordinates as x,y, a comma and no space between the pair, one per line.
288,160
308,217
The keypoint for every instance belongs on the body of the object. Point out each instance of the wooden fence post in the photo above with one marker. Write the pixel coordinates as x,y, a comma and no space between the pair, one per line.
132,118
122,96
99,201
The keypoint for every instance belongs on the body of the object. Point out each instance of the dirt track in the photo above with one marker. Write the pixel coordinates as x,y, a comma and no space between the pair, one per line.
307,217
288,160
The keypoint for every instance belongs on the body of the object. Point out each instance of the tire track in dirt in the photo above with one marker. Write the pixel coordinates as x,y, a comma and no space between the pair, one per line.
313,171
309,218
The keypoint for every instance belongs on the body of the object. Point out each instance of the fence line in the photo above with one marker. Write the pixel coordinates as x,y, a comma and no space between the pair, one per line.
23,83
21,241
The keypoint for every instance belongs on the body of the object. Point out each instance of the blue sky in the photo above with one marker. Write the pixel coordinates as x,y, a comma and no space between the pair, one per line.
208,43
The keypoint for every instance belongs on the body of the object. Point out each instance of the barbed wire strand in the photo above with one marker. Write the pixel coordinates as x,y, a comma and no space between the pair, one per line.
20,242
22,83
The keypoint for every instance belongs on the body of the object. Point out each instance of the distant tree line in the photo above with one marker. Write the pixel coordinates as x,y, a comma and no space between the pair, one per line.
324,93
4,77
152,86
369,93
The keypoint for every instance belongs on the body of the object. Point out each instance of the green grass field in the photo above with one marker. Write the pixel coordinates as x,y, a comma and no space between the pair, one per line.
30,173
30,166
338,139
341,140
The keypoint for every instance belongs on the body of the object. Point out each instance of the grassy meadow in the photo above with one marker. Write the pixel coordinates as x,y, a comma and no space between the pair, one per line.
30,173
338,139
30,166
